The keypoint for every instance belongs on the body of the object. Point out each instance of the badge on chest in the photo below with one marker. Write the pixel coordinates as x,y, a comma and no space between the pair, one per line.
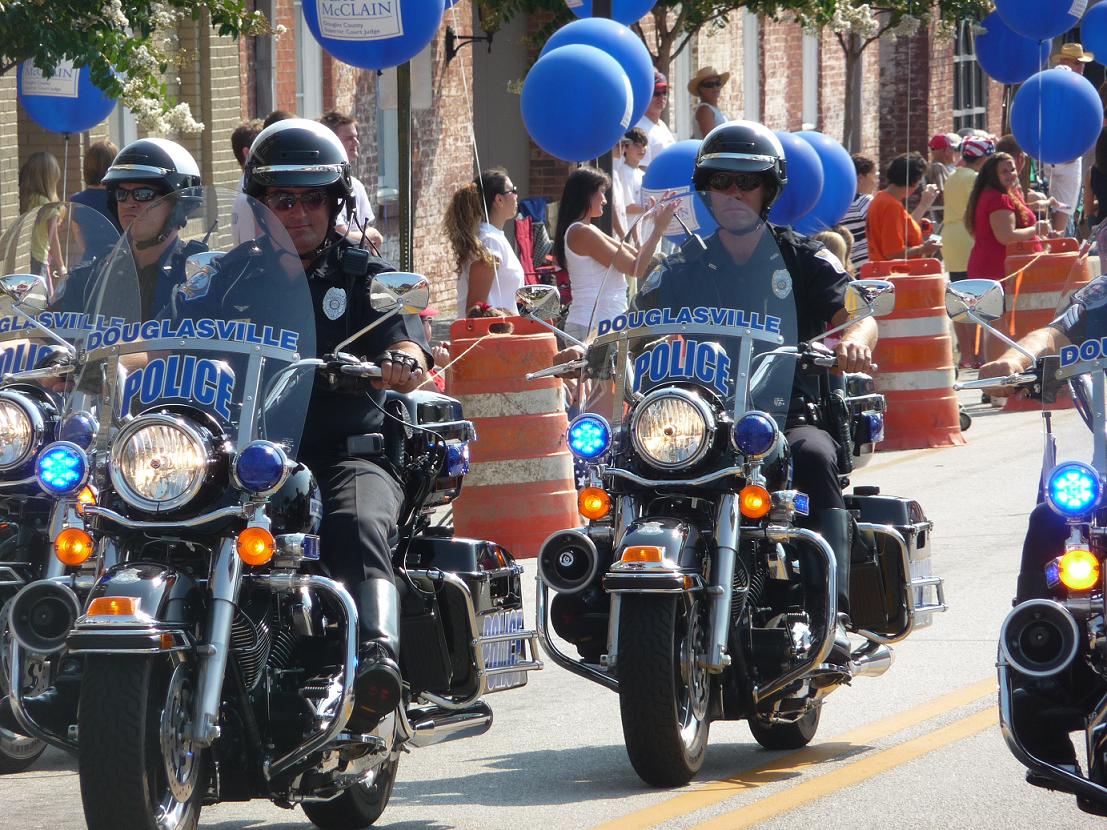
334,302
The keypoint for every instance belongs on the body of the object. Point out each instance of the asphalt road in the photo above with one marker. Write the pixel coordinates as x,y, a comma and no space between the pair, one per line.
919,747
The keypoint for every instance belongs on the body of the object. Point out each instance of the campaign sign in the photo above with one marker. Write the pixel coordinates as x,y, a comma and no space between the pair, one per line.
360,19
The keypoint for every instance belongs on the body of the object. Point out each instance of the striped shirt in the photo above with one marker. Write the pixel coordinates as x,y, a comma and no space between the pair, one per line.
854,221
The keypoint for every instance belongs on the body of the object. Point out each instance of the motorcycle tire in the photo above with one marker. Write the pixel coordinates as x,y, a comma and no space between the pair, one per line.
359,806
128,703
18,752
786,735
664,695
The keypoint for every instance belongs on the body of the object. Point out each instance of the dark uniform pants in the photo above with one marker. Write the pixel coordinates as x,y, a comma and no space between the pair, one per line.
361,508
815,467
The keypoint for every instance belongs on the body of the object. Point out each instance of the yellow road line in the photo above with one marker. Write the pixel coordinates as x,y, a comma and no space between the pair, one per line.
794,763
848,775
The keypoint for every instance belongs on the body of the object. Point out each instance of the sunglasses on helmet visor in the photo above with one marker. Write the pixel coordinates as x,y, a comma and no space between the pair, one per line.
139,194
743,181
283,201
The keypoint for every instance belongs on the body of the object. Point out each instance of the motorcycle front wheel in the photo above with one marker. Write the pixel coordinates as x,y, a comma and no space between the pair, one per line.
664,689
137,763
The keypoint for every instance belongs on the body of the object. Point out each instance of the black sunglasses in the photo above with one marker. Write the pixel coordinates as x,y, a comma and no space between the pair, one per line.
139,194
660,93
711,85
509,190
283,201
743,181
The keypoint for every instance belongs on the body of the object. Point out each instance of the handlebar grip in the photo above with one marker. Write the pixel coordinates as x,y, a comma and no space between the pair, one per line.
361,370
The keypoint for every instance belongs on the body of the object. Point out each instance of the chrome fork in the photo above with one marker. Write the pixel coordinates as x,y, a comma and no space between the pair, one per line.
728,520
226,576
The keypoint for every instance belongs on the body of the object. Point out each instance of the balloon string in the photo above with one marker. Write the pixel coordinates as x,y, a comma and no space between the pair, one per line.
62,197
473,140
907,214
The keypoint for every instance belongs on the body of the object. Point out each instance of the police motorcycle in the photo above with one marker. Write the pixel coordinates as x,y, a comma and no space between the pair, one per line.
1052,662
217,661
36,367
692,591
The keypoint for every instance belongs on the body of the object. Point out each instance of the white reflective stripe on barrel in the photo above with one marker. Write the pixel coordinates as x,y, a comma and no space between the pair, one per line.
914,381
913,327
504,404
1037,300
522,471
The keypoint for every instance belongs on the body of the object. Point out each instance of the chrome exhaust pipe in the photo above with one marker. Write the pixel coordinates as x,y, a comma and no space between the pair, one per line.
42,615
1039,638
434,725
871,660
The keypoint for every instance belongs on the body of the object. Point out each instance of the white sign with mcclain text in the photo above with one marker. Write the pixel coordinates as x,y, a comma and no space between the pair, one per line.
360,19
63,83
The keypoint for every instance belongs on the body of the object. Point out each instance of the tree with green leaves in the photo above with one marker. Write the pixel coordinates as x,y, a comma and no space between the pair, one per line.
129,46
856,25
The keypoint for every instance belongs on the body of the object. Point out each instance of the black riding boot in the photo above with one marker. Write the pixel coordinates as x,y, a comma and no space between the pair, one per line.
378,685
838,528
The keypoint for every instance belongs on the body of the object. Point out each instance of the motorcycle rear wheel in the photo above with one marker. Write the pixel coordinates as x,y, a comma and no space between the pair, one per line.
138,767
664,691
360,805
786,735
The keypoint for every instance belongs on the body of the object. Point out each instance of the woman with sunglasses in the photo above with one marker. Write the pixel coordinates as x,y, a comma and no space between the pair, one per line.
488,271
588,254
707,85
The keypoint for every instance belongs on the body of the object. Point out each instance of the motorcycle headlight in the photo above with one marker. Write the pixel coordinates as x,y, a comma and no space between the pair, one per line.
21,428
159,462
672,428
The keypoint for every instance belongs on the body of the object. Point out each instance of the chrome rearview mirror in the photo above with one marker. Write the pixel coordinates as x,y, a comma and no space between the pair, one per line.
974,301
393,292
543,301
18,287
399,291
876,298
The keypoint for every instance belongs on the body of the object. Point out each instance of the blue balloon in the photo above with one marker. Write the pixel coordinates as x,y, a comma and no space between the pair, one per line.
805,181
671,170
1057,116
1008,57
839,184
66,103
1040,19
374,35
622,44
1093,31
624,11
576,102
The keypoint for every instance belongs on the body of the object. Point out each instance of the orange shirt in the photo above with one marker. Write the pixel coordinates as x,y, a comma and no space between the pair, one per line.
886,227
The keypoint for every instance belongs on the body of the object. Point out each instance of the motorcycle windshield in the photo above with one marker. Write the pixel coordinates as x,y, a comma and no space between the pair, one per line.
199,313
717,313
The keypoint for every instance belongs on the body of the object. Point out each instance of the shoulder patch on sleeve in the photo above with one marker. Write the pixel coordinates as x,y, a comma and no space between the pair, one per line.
198,283
827,255
1092,295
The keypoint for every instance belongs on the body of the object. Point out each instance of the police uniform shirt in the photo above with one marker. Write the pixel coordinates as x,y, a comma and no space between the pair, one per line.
1086,317
805,298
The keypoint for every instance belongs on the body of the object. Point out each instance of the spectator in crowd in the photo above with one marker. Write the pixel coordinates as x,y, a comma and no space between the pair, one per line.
242,137
837,243
891,231
597,262
707,85
345,127
956,242
657,131
38,187
626,190
857,215
275,116
1065,180
489,272
1031,198
996,216
943,161
97,160
440,352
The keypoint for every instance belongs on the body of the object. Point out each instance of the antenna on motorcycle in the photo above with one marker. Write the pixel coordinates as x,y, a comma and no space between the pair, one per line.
211,230
698,239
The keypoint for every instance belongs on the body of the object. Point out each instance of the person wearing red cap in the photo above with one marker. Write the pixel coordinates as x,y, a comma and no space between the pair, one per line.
943,161
657,131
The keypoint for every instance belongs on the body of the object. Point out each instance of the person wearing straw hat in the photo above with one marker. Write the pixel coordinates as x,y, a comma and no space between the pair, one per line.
707,85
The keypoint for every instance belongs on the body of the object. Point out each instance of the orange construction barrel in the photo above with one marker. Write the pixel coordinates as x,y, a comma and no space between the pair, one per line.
914,354
520,488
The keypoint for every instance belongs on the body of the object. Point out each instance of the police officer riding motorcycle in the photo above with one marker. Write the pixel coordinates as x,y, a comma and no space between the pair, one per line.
722,570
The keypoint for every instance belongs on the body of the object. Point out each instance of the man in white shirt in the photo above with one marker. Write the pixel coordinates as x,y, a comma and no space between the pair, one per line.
627,180
1065,180
345,127
657,131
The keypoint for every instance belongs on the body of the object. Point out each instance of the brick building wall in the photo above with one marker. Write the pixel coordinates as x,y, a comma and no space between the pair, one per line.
782,70
9,161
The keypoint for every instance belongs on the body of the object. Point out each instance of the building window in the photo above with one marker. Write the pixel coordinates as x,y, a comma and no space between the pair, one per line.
309,68
970,84
121,126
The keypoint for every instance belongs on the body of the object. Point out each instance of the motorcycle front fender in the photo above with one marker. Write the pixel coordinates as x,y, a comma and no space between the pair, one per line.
156,609
678,569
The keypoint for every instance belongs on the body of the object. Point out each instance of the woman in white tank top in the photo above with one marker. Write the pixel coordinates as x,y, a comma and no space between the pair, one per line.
707,85
588,254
